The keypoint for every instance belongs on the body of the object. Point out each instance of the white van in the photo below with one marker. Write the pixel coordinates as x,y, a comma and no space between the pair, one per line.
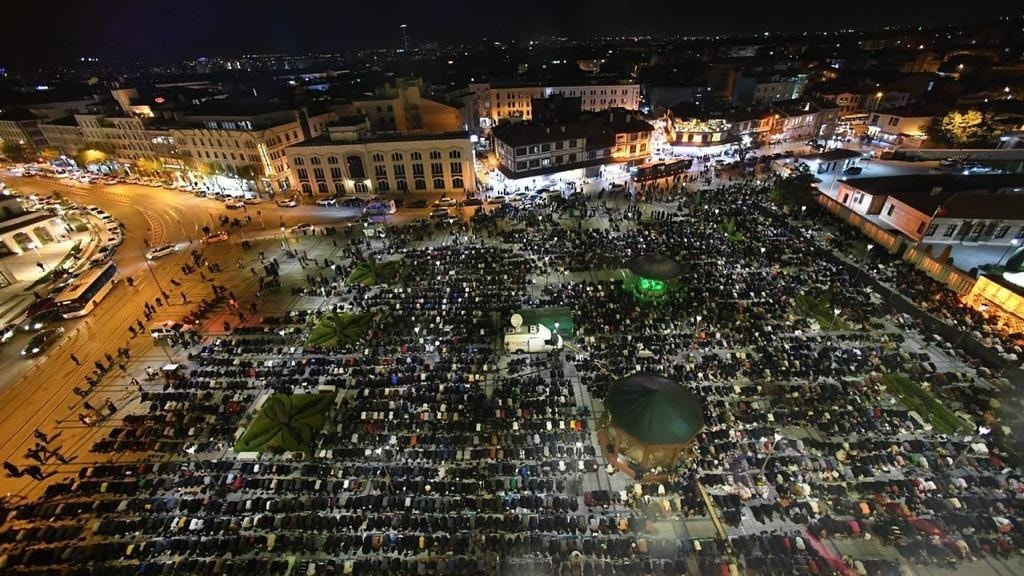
530,339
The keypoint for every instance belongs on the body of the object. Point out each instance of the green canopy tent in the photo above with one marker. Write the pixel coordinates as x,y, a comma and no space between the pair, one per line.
653,419
652,276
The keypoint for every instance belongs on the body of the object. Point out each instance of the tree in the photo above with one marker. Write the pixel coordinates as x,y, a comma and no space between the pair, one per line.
371,272
14,151
795,190
49,153
961,129
93,153
149,165
287,423
340,330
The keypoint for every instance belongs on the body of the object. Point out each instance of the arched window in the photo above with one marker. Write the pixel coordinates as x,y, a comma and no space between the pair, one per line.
378,157
321,187
438,183
435,155
339,188
402,185
417,156
306,188
355,167
457,183
383,186
455,154
315,160
298,161
420,184
396,157
332,159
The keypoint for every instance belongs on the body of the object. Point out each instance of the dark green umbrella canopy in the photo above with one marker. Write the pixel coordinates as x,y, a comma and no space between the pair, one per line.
654,410
655,267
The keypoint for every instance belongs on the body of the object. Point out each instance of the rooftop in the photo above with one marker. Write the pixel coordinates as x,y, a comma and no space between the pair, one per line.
589,125
324,140
17,115
927,192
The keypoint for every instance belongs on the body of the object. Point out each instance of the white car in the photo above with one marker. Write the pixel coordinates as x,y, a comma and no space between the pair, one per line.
445,202
303,228
497,200
252,200
159,251
327,202
233,203
288,202
168,328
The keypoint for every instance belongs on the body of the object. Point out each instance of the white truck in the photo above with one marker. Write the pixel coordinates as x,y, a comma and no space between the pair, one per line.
531,338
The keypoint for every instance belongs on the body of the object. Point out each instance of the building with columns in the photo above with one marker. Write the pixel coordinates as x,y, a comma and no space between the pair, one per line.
349,160
21,231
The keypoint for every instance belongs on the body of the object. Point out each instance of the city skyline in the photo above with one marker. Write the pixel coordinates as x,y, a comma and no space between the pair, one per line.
160,33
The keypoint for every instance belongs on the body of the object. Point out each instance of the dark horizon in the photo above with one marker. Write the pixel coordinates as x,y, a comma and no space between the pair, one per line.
126,31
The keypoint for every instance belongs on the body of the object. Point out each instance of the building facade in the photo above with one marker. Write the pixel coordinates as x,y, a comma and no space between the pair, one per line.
250,145
487,104
617,136
402,108
350,161
21,127
901,127
63,134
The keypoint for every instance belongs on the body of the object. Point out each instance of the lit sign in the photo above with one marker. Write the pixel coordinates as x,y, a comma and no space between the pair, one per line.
652,286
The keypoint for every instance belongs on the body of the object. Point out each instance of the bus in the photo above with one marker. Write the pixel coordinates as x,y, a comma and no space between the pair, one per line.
50,171
379,207
85,292
663,169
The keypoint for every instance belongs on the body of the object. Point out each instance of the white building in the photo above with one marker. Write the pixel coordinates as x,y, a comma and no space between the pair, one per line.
905,127
349,160
250,144
487,104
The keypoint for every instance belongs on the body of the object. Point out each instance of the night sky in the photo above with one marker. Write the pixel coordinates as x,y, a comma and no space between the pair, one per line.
165,30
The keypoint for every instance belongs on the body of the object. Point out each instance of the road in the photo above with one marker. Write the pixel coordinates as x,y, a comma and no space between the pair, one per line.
38,393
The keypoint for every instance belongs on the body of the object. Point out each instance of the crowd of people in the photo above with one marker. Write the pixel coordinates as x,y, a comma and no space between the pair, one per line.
442,454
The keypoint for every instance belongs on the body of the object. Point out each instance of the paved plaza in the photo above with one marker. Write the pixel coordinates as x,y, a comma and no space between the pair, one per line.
434,451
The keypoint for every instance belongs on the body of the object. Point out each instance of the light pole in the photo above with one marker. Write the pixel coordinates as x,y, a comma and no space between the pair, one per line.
152,273
771,451
835,314
1013,244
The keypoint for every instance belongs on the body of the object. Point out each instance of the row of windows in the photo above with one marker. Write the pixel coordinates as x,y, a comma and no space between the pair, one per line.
379,157
419,184
381,171
967,229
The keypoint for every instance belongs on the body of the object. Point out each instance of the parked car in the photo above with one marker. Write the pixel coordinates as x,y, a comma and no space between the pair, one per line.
7,331
160,251
303,228
167,329
41,342
853,170
252,200
288,202
215,238
418,204
233,203
497,200
444,202
437,213
473,202
352,203
327,202
41,320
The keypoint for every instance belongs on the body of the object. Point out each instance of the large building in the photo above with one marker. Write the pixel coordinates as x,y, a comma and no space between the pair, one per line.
402,108
942,208
488,104
802,119
64,134
764,89
689,126
586,141
905,127
246,140
21,127
348,159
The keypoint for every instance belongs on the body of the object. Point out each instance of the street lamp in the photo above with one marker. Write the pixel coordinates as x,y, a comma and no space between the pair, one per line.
835,314
1013,244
